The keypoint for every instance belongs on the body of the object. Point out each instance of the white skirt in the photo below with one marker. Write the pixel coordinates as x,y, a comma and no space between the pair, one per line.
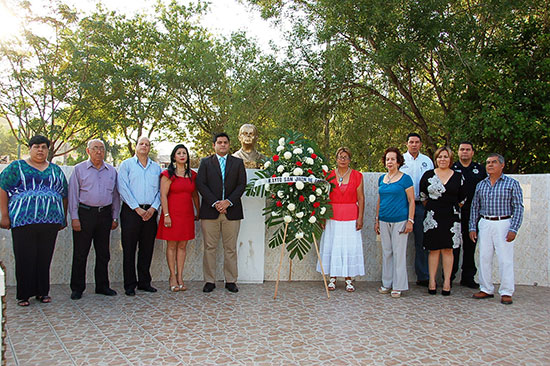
342,250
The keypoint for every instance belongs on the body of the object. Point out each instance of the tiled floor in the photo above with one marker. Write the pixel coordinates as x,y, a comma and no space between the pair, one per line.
300,327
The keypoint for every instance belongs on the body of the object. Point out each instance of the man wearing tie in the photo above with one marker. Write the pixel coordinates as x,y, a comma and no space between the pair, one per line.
221,181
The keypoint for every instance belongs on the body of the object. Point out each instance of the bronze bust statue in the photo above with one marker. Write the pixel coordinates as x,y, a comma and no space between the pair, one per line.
248,135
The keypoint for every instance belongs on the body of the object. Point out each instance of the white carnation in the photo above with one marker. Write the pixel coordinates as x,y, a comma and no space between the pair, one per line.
299,185
280,194
287,219
291,206
282,141
309,161
286,175
312,220
267,164
299,214
280,168
311,198
323,210
287,155
299,235
318,191
325,168
297,151
297,171
310,150
280,148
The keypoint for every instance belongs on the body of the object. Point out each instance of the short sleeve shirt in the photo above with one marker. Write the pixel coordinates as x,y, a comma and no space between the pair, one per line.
34,196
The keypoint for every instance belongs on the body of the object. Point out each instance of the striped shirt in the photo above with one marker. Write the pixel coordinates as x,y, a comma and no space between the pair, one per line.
504,198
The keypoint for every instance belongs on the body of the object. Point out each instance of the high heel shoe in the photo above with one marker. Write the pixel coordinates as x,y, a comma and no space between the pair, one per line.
446,292
432,291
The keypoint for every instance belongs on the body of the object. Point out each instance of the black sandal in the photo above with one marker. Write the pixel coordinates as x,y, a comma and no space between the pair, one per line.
23,302
44,299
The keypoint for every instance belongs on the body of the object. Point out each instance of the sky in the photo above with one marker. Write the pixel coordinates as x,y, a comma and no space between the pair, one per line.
225,17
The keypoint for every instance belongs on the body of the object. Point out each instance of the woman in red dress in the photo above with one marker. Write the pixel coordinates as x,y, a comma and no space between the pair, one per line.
178,195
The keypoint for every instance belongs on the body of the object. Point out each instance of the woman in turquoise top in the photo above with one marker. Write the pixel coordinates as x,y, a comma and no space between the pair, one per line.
33,204
394,221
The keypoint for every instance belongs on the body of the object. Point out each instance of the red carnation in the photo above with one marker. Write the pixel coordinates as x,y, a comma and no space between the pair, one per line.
313,213
314,156
274,176
310,171
290,183
272,196
279,204
313,188
299,163
301,198
275,157
316,204
291,142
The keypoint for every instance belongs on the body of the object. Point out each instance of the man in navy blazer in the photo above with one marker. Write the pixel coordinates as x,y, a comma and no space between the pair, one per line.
221,181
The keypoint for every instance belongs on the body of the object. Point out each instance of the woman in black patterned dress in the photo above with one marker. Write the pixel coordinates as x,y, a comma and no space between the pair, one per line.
442,194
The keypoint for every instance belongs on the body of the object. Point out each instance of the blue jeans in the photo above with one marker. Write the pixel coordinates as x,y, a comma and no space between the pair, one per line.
421,255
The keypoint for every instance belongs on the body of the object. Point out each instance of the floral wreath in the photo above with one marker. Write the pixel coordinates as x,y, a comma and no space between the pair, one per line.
293,180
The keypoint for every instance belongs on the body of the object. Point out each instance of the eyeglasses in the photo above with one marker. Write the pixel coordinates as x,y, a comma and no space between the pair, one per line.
343,157
97,148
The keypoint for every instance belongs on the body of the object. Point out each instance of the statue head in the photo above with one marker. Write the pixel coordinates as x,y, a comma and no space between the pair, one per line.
248,135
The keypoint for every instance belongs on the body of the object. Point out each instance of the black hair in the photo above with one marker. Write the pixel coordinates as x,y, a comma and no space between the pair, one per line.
38,140
467,143
413,134
221,134
172,168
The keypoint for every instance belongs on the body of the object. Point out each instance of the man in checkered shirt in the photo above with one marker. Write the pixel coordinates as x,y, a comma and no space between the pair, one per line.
498,205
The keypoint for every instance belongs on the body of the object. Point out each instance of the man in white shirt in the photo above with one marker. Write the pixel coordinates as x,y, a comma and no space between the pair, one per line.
416,164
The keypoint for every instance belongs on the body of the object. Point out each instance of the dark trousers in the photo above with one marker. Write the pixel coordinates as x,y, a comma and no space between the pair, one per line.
136,232
33,247
96,227
421,255
469,269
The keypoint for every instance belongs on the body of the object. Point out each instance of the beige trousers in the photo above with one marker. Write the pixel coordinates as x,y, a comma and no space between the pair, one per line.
229,230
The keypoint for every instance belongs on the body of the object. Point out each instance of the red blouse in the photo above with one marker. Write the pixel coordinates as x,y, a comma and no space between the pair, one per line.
344,201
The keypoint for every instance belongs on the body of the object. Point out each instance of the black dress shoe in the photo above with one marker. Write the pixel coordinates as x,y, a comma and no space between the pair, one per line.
147,288
208,287
423,283
131,292
231,287
106,291
469,284
75,295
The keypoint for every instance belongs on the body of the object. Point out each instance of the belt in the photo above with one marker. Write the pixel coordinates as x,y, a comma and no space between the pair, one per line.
94,208
496,218
145,207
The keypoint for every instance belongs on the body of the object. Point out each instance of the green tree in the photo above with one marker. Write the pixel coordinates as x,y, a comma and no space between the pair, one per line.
45,82
448,69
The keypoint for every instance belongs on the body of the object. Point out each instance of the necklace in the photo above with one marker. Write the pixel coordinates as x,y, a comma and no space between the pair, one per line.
390,177
341,177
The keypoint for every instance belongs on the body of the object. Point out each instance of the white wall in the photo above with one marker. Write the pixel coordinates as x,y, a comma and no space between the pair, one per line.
257,262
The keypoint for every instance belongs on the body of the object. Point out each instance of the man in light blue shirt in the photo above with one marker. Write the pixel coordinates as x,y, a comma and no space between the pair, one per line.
138,184
416,164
